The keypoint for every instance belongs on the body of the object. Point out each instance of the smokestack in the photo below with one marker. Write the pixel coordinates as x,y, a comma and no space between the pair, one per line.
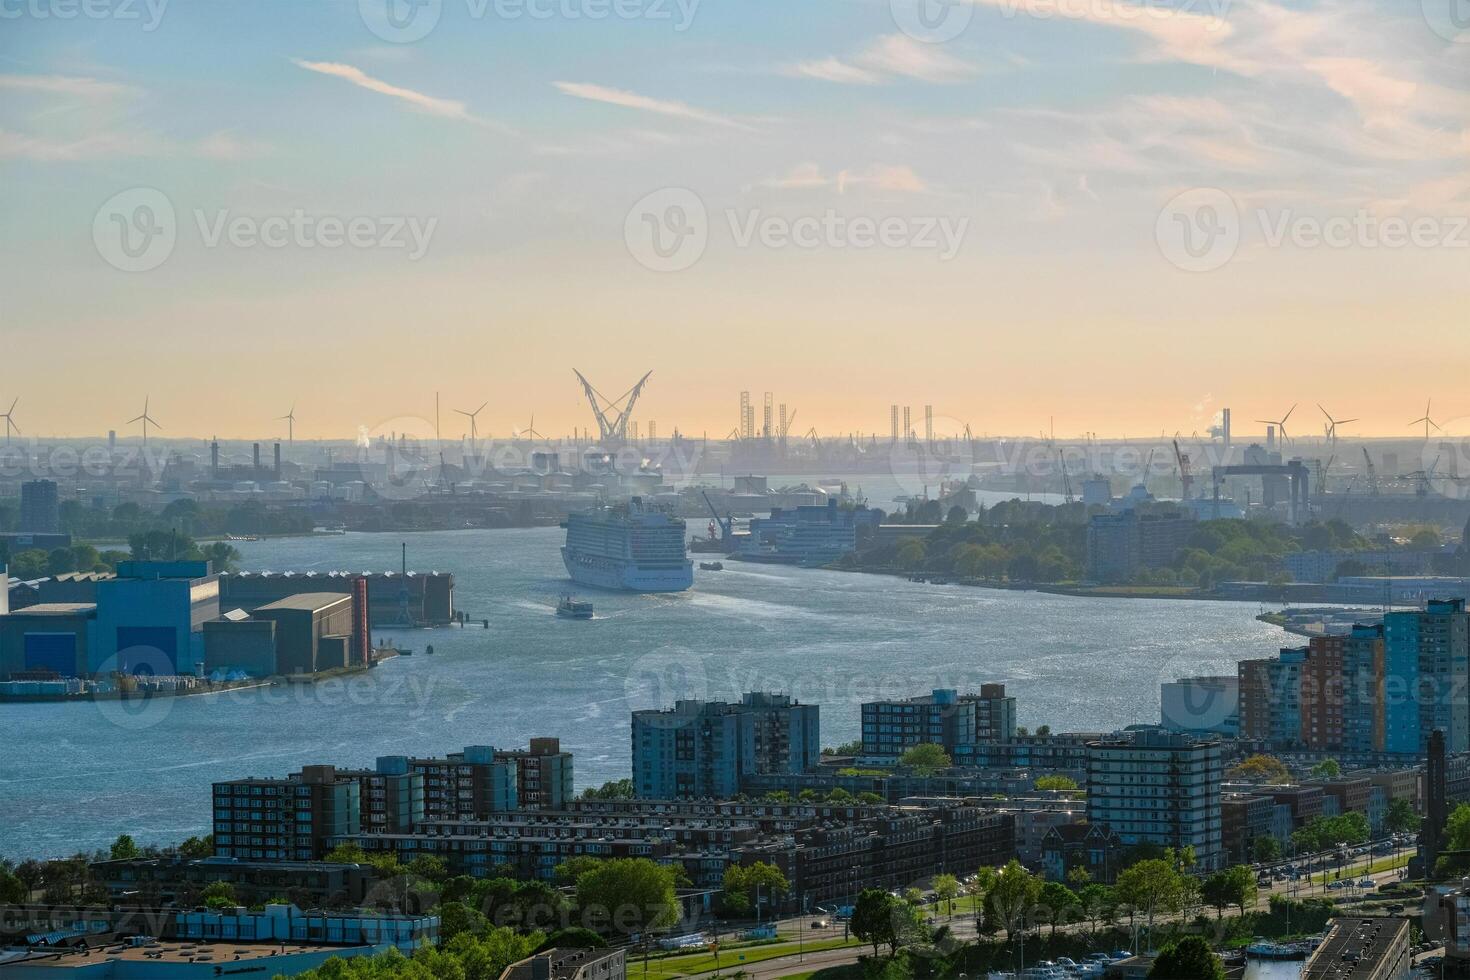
278,461
257,457
214,458
1225,425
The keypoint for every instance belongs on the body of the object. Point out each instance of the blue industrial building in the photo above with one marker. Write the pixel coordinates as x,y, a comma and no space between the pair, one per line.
147,620
150,619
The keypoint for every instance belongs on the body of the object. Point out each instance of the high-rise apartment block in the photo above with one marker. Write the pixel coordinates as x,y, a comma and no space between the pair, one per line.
704,748
1161,788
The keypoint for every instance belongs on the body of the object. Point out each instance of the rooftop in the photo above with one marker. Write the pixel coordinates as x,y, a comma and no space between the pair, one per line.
57,609
175,952
1360,949
307,601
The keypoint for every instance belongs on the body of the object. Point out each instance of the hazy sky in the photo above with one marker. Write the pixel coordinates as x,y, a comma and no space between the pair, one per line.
1120,216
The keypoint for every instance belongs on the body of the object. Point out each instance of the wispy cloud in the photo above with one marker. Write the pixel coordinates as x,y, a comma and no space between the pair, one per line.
118,145
891,56
879,177
644,103
88,88
448,108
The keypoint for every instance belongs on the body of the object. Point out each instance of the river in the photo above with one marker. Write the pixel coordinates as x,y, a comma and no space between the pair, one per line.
77,775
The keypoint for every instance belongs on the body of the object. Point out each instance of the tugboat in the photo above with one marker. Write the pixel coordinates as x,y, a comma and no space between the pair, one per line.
711,566
569,608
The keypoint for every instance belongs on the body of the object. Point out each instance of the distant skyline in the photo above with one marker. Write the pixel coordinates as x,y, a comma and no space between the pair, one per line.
1306,426
1154,210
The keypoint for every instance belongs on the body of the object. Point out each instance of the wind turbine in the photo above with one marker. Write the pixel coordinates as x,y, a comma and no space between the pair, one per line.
290,419
529,432
146,419
1332,424
10,421
474,432
1427,421
1281,425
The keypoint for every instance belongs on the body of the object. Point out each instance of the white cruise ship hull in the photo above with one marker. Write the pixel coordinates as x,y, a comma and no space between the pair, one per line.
600,572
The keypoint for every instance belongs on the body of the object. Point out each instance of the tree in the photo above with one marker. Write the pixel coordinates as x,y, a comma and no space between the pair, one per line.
1190,957
1231,886
429,866
573,868
747,886
846,748
1327,769
617,789
197,847
1152,885
1012,896
926,758
1261,769
947,889
13,891
123,849
1401,818
219,895
1057,783
1058,900
872,918
629,895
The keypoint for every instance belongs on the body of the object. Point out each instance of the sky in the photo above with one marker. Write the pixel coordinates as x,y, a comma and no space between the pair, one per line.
1101,216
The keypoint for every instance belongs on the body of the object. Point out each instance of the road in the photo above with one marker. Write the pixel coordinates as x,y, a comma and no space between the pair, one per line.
963,927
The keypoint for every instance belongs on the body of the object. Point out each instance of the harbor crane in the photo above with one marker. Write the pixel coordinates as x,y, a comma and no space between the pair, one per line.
1066,478
612,414
1372,473
1186,479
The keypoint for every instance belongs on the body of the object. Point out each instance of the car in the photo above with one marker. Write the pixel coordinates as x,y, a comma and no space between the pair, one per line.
1367,883
819,923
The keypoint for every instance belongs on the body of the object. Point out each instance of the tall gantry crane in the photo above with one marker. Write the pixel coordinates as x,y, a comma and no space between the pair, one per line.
612,414
1186,479
1372,473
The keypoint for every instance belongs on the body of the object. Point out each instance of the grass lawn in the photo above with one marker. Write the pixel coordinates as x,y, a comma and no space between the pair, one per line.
1381,865
689,963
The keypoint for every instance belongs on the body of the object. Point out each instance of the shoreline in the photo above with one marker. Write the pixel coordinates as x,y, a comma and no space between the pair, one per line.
211,688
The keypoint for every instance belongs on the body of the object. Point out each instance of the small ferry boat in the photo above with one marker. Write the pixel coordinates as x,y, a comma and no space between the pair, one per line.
711,566
569,608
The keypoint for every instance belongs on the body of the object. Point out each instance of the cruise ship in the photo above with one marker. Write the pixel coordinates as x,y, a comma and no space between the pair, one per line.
632,549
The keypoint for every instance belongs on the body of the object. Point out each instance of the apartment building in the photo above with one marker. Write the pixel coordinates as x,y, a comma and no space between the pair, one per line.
472,784
288,819
704,748
543,774
1156,787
